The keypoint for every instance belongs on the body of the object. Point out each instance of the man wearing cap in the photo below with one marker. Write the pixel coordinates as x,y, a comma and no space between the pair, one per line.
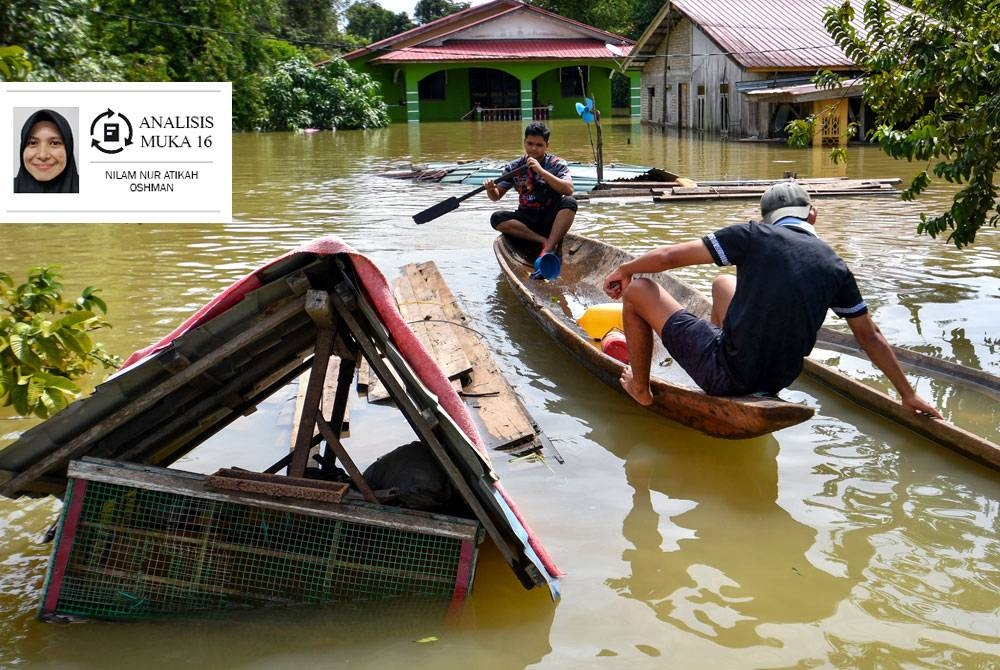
764,320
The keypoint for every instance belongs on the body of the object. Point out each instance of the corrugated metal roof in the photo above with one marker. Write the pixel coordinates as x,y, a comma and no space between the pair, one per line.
849,88
474,50
774,34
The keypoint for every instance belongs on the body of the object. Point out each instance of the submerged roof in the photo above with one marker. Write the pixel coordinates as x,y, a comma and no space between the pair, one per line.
498,30
246,344
759,34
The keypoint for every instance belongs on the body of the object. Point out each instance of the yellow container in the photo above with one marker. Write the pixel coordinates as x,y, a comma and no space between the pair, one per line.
599,319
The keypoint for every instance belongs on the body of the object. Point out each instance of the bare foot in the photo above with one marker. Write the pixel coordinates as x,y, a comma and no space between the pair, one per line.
643,396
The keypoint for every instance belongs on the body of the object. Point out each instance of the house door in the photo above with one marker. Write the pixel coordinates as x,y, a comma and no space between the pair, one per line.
493,89
682,101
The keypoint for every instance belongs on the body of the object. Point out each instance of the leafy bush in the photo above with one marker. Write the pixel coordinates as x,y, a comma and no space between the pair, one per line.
45,345
332,95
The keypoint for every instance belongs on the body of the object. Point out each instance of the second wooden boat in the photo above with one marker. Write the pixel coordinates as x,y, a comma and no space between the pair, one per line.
557,306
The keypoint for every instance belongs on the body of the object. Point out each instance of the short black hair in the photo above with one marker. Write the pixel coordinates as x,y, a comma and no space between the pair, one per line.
537,128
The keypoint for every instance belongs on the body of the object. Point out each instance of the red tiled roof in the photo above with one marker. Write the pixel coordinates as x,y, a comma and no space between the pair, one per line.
474,50
774,34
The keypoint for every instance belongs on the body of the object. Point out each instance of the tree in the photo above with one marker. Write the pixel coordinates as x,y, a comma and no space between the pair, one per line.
333,95
313,21
56,36
45,343
614,16
372,22
933,80
431,10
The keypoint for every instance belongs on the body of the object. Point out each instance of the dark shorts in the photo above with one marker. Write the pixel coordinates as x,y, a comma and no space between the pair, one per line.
538,220
697,346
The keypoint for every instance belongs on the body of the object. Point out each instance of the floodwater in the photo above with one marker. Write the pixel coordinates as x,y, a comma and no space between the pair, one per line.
844,542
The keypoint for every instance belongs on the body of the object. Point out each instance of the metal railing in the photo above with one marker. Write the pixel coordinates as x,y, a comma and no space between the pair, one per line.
506,113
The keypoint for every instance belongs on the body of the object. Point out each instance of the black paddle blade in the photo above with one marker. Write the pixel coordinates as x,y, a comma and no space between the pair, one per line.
440,209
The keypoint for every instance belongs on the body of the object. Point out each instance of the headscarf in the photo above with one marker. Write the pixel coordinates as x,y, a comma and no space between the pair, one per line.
68,180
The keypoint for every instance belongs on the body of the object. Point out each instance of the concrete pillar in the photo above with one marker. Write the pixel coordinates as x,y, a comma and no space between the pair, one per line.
526,102
412,101
635,93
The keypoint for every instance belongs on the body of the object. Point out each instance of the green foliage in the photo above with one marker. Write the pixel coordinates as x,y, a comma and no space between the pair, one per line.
312,21
933,80
14,64
431,10
56,34
333,95
615,16
370,21
45,342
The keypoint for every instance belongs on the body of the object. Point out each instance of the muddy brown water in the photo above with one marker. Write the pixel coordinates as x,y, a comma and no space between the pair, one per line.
842,542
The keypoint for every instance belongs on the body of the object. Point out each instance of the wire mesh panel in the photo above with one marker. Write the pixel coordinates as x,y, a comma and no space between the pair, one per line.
131,550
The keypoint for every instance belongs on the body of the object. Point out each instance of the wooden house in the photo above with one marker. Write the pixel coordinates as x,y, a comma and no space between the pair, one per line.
743,68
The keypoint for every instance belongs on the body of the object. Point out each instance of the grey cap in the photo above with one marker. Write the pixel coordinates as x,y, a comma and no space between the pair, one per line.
786,198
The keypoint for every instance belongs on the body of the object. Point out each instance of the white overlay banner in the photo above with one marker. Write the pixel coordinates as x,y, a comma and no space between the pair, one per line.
144,152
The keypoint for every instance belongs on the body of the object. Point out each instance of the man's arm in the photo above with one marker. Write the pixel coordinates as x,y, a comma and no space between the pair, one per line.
878,350
662,258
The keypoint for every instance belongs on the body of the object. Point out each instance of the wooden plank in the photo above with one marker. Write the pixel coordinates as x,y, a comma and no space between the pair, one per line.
311,404
426,317
329,394
231,479
364,375
503,420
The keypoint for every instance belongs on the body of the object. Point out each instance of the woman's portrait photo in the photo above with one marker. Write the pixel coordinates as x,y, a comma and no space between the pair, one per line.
47,160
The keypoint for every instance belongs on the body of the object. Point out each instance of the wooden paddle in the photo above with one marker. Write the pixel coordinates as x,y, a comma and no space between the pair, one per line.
452,203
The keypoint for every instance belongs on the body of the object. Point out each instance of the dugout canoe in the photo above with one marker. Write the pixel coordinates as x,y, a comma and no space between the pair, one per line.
557,305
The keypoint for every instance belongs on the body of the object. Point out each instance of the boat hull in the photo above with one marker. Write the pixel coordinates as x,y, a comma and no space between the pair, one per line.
556,306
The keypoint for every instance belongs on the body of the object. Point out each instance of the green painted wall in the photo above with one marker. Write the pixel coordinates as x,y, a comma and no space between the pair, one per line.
393,92
395,80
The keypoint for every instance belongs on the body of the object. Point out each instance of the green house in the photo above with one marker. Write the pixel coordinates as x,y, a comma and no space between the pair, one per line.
502,60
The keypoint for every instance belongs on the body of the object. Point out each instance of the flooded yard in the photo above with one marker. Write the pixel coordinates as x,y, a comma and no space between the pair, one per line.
843,542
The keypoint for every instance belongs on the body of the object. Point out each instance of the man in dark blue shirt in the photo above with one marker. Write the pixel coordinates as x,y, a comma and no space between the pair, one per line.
545,206
764,320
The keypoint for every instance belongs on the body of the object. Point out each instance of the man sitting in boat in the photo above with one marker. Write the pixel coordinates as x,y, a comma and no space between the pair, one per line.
545,206
764,320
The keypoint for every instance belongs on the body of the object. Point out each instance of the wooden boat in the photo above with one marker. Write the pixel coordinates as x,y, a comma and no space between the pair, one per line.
586,262
557,305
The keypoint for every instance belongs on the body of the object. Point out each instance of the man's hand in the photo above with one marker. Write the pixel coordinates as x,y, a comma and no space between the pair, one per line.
616,283
492,192
917,405
534,165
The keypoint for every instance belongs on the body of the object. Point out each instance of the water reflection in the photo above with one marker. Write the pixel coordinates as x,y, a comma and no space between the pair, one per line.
683,564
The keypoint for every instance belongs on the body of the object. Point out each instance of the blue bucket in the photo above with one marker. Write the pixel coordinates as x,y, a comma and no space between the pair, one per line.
548,266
